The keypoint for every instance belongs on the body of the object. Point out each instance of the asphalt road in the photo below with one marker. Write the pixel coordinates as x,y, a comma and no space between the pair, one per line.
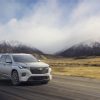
60,88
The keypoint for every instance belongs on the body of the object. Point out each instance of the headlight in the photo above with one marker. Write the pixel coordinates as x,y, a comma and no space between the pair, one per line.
22,67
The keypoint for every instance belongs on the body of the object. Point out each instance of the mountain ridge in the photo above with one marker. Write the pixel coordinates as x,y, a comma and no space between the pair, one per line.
82,49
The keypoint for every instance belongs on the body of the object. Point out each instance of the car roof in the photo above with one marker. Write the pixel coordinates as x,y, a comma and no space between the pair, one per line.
14,54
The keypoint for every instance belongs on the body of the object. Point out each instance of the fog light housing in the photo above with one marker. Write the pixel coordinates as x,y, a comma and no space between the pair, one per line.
23,74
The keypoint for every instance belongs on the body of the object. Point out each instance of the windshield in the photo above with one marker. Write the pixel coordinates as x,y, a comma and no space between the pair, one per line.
24,58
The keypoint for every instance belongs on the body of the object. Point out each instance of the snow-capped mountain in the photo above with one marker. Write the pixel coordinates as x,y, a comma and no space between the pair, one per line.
82,49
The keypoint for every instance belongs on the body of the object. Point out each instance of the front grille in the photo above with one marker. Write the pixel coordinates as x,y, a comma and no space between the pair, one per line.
37,78
39,70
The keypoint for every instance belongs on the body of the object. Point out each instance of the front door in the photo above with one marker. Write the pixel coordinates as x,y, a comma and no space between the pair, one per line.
8,66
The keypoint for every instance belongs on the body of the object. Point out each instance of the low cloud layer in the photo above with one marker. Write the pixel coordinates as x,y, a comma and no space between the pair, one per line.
50,25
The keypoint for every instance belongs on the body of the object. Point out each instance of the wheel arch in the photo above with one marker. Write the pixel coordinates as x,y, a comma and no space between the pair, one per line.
13,70
16,71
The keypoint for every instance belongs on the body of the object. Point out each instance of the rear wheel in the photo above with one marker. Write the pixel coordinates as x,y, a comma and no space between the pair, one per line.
15,78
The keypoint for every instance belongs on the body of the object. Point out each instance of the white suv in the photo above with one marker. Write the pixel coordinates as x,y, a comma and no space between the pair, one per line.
24,67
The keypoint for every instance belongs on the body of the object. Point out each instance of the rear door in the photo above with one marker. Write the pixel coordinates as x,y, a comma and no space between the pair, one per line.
2,63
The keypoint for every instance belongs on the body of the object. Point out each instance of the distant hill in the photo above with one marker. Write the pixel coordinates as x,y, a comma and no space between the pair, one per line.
17,47
83,49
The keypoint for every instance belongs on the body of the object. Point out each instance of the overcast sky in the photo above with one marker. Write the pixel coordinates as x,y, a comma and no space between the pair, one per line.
50,25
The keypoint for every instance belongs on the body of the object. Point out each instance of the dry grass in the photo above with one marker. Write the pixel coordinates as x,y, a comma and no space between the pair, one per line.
91,72
76,67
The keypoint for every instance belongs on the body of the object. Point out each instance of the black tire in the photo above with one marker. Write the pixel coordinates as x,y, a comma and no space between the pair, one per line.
15,78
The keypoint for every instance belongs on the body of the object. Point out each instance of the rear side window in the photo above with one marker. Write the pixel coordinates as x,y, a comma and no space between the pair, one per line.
3,58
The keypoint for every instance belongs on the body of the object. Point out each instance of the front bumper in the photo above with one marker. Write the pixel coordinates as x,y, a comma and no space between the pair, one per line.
34,77
39,78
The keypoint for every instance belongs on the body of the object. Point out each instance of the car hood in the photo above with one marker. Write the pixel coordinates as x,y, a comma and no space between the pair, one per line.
33,64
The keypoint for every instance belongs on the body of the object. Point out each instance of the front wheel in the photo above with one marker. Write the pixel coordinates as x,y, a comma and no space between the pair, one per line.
15,78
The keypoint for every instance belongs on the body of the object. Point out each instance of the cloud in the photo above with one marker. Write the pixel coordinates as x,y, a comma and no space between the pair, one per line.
51,27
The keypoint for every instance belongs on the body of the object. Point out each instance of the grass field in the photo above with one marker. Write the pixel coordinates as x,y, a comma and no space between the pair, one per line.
89,67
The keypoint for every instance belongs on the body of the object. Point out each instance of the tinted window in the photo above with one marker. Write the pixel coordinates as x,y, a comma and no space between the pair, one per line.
24,58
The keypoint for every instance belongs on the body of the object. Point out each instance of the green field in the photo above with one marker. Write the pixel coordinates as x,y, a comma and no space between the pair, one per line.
87,67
